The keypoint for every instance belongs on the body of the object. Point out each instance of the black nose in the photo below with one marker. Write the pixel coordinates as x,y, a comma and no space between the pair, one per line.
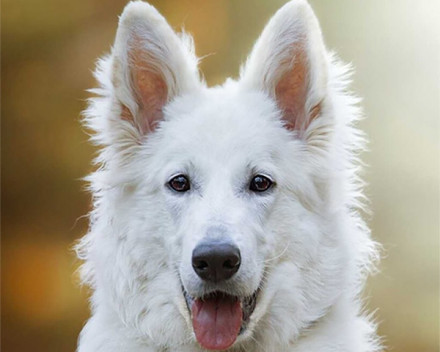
216,261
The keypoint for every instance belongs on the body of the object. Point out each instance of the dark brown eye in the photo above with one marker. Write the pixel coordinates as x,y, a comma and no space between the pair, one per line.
180,183
260,183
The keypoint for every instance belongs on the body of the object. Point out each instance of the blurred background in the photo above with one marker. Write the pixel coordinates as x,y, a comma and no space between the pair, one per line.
48,51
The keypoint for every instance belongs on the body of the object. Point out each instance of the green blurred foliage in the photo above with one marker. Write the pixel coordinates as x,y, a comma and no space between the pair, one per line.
48,51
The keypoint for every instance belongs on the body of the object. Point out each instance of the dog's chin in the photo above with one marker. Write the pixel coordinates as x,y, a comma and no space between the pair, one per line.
218,318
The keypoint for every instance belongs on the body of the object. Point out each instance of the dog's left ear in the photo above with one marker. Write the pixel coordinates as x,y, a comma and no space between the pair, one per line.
288,62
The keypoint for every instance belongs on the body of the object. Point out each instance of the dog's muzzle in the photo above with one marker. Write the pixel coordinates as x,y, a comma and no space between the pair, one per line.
218,317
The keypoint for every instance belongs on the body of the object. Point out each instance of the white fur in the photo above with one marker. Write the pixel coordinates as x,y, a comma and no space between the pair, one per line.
304,243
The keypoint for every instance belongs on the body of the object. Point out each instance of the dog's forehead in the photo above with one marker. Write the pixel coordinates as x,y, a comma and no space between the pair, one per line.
223,119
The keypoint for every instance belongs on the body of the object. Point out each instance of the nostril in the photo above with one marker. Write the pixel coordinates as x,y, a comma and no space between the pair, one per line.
200,265
231,263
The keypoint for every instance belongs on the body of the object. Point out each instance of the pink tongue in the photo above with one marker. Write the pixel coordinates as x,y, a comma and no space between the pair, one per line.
216,321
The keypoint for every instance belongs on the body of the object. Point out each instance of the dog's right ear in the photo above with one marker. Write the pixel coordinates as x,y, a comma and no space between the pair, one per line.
151,65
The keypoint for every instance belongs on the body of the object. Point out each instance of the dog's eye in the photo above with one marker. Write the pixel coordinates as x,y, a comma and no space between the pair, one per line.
180,183
260,183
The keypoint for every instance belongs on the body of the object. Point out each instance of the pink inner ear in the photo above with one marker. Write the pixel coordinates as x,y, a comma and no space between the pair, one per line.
152,96
291,93
148,87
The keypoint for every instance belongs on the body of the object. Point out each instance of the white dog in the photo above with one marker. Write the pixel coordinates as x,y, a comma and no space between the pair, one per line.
225,218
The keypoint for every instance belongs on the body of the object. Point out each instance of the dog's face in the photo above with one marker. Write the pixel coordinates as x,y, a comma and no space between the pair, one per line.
216,218
219,184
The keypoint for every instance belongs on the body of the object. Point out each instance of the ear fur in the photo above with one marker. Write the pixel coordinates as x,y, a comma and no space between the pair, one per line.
151,65
289,63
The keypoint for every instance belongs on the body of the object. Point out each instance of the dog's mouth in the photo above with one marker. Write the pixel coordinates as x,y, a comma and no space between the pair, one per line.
218,318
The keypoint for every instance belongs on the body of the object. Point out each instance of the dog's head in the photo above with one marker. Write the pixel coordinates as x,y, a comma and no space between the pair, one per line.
223,213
